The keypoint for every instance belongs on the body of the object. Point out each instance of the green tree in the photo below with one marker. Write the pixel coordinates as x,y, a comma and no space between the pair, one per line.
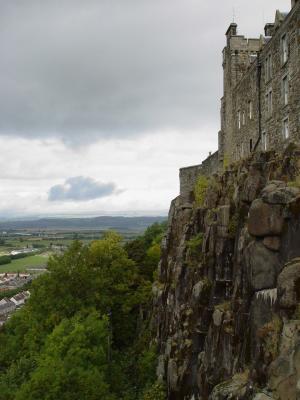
73,364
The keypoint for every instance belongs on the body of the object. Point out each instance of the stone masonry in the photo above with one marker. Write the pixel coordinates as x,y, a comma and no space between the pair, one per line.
260,108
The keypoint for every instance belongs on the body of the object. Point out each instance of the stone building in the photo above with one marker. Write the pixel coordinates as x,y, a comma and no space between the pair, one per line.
260,108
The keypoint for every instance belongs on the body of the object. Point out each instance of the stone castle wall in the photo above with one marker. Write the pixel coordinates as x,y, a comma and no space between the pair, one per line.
188,176
253,108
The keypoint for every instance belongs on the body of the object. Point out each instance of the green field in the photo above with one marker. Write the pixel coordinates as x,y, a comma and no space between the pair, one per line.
22,264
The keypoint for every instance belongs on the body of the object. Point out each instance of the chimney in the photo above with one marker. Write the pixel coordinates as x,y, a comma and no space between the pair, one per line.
269,29
232,30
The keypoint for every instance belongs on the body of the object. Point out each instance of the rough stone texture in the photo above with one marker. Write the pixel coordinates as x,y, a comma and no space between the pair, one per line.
262,396
265,219
188,176
289,285
219,313
234,388
262,266
284,372
290,240
272,242
282,195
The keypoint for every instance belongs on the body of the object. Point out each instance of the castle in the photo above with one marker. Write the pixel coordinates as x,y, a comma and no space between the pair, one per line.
260,107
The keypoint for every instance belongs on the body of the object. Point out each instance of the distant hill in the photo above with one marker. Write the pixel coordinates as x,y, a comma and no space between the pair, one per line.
95,223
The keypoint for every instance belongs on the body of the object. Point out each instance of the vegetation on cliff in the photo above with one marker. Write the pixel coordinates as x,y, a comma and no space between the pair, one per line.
85,331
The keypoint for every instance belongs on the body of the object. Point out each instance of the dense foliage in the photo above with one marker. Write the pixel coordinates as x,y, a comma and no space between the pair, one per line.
84,334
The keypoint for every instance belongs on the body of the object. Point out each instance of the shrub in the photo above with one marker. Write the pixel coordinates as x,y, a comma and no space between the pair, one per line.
225,162
295,183
233,226
270,335
156,392
200,190
5,260
195,243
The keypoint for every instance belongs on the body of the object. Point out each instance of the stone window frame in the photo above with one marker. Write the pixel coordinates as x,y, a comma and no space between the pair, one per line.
242,150
285,89
264,141
285,128
269,102
268,67
239,119
250,109
284,48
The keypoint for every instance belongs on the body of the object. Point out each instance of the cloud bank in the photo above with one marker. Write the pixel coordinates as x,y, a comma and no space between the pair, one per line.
84,70
81,188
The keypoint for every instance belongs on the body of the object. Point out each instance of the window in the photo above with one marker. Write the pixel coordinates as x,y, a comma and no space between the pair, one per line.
285,90
269,102
264,141
244,118
268,68
286,132
284,49
239,119
250,107
250,145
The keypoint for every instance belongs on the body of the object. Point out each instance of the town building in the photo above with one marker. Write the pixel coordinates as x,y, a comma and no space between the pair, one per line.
20,299
6,306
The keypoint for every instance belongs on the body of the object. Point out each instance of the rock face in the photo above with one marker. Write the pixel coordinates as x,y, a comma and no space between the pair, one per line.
226,312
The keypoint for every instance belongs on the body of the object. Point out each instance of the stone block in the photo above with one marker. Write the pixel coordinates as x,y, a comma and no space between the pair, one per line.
289,285
272,242
265,219
262,266
281,195
223,216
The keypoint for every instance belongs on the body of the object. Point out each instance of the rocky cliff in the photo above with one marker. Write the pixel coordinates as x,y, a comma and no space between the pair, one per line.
226,303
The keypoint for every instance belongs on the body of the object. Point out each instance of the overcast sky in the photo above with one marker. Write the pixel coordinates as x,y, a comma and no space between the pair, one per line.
101,101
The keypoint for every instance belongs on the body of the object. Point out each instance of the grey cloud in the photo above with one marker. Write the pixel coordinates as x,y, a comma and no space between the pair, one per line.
81,188
82,70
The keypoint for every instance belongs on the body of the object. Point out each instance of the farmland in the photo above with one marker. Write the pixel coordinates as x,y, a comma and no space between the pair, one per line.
23,264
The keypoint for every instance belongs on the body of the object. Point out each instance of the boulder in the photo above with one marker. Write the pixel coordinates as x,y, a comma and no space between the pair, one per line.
281,195
272,242
265,219
290,238
262,266
252,186
234,388
289,285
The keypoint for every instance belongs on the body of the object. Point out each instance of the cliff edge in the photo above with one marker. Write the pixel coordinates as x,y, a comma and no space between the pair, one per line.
226,303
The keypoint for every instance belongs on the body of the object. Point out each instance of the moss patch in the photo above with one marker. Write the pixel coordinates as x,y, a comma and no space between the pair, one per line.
200,190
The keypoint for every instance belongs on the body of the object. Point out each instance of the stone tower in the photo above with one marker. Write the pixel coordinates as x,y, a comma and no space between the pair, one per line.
238,55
